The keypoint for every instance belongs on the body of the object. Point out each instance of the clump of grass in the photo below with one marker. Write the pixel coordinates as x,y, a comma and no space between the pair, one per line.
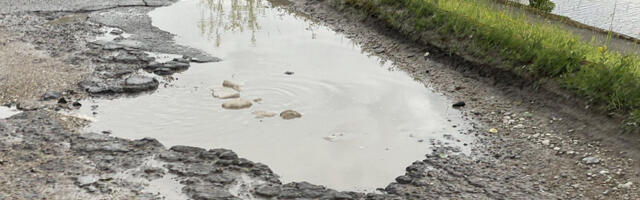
537,50
543,5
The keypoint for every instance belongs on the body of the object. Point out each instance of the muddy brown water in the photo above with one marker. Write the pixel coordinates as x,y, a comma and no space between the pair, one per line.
362,121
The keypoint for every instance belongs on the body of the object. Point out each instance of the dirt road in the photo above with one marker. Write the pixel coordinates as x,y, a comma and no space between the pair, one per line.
531,143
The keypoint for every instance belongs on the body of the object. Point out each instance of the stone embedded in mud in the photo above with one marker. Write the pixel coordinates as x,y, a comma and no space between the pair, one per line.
186,149
225,93
223,178
264,114
163,71
51,95
28,105
236,104
177,66
232,84
290,114
207,192
86,180
404,179
591,160
138,83
204,59
268,190
116,32
182,60
459,104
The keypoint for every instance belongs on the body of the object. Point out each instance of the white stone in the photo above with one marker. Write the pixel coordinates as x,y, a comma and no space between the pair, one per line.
236,104
225,93
232,84
264,114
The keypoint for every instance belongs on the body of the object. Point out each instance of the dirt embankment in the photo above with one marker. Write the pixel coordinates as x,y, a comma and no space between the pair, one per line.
542,137
542,147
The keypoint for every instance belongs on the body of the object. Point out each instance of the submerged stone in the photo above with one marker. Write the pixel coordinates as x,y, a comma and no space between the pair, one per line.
264,114
225,93
290,114
237,104
232,84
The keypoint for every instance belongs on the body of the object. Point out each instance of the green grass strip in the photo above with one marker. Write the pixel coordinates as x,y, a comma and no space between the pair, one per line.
538,50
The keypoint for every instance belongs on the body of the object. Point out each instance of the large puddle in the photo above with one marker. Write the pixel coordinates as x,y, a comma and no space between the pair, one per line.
363,121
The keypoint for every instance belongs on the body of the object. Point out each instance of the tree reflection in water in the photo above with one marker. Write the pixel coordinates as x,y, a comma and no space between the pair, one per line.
220,16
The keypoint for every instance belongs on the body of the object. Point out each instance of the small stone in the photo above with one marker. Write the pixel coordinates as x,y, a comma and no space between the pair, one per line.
603,172
591,160
233,85
426,54
290,114
86,180
28,105
289,73
76,104
264,114
236,104
116,32
268,190
556,148
139,83
459,104
51,95
625,186
62,101
404,179
225,93
546,142
493,130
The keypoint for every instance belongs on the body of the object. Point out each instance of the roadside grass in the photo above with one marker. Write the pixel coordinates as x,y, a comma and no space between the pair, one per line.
536,50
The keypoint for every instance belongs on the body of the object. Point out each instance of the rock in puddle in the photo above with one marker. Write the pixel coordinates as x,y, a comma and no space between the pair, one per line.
236,104
232,84
290,114
225,93
264,114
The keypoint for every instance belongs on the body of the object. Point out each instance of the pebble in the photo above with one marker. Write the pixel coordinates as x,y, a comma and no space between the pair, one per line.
231,84
225,93
591,160
236,104
289,73
264,114
459,104
626,185
86,180
116,32
290,114
51,95
546,142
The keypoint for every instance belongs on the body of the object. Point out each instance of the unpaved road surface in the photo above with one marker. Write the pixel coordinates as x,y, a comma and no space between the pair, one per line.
542,145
